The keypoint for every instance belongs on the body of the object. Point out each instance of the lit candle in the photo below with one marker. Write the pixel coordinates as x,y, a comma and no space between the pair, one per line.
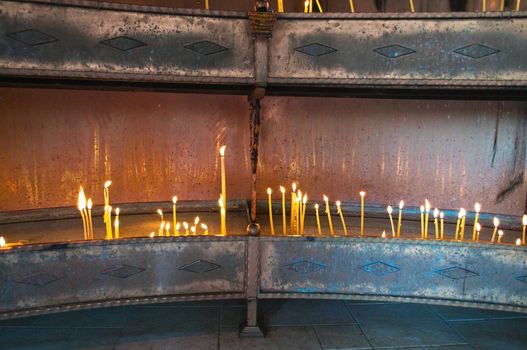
178,226
160,213
161,229
152,234
284,215
106,205
108,214
477,208
185,226
306,6
298,210
518,241
459,216
2,242
303,216
318,220
390,211
339,211
280,5
524,222
441,217
478,230
422,210
90,222
271,223
205,228
427,213
223,181
193,230
81,204
293,207
436,224
399,220
223,225
167,229
500,235
462,229
116,222
496,224
383,235
196,222
362,194
174,201
328,211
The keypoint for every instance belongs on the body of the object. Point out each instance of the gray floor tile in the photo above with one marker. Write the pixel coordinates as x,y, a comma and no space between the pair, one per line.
18,338
453,313
304,312
277,338
392,325
494,334
342,337
171,328
233,316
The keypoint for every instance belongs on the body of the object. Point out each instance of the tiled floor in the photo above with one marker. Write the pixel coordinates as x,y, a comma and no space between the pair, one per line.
288,324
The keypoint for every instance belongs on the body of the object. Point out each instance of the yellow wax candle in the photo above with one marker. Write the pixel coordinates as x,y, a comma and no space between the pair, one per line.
116,222
206,4
280,5
477,208
161,229
81,204
427,213
328,211
462,229
399,220
109,222
167,229
339,211
186,226
160,213
500,235
106,217
196,222
297,214
284,215
478,230
318,220
174,218
352,6
496,223
90,221
319,6
223,181
223,225
518,2
436,223
422,210
293,208
306,6
362,194
502,5
303,214
107,193
193,230
484,5
412,8
524,222
178,226
458,222
390,211
441,217
269,192
310,6
205,229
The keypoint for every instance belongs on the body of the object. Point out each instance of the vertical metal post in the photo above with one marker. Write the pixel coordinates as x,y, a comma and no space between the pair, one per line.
251,328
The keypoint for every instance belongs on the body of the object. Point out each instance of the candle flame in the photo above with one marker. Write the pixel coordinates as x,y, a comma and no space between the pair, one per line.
496,221
90,204
117,211
116,223
2,242
390,209
304,200
196,220
205,227
518,242
193,229
338,204
524,220
107,184
294,186
427,205
174,199
478,226
462,212
178,225
362,193
436,213
441,215
282,189
422,209
316,205
325,198
81,204
162,225
269,190
222,150
110,209
298,199
401,205
383,235
160,212
220,201
477,207
185,225
167,226
306,3
299,194
152,234
500,233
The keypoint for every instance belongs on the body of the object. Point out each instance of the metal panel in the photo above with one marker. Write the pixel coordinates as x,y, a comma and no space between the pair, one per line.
65,41
465,274
126,271
444,50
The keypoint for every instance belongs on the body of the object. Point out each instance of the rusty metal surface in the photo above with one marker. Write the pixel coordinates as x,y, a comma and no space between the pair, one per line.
468,274
396,49
454,153
69,41
151,145
49,277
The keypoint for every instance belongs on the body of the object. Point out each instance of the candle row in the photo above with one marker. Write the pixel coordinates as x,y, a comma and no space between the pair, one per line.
164,227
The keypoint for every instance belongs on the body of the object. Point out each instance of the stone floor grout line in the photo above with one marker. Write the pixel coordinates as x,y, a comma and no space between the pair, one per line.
220,319
314,330
359,325
431,307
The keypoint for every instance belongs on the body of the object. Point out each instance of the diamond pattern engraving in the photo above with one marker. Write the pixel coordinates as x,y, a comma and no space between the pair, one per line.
522,279
200,266
206,48
456,273
32,37
394,51
379,268
40,278
476,51
305,267
315,49
123,271
123,43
